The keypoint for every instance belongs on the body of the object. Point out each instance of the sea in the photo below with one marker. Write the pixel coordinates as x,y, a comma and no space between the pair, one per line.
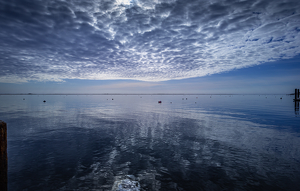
185,143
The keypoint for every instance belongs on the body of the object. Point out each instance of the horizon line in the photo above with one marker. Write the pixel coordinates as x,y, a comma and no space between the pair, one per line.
142,94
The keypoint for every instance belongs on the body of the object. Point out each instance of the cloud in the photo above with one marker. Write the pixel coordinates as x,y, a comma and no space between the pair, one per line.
149,40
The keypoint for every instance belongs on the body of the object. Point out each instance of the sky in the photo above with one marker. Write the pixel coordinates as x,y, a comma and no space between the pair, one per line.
149,46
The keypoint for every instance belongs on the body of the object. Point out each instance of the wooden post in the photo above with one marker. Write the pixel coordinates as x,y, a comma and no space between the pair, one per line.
3,156
296,94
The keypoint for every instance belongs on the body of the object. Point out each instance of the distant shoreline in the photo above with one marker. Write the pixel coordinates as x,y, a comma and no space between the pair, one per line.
134,94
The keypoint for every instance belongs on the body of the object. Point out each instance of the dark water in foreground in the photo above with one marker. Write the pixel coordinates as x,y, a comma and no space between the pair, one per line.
87,142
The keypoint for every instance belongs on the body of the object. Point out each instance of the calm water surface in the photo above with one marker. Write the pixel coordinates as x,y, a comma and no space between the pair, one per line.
87,142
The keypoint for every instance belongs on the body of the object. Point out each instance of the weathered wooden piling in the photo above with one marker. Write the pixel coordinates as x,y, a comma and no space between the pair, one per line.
3,156
296,96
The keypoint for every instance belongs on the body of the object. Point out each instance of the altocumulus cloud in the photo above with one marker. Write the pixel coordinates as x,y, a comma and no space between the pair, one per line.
150,40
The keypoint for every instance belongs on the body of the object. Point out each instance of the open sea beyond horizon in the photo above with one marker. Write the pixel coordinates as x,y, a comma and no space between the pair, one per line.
184,143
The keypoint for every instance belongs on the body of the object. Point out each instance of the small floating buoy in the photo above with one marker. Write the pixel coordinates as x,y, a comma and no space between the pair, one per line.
159,101
170,102
23,98
44,101
281,98
112,99
186,98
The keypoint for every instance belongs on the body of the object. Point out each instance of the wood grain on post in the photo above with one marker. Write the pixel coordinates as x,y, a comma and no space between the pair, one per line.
3,156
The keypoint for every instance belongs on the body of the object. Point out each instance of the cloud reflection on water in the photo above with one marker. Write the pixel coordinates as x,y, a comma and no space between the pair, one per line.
167,146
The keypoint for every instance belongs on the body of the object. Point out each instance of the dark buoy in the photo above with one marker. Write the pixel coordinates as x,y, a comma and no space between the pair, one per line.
44,101
281,98
112,99
159,101
23,98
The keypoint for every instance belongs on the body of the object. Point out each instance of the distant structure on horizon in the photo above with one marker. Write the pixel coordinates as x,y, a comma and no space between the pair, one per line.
297,95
